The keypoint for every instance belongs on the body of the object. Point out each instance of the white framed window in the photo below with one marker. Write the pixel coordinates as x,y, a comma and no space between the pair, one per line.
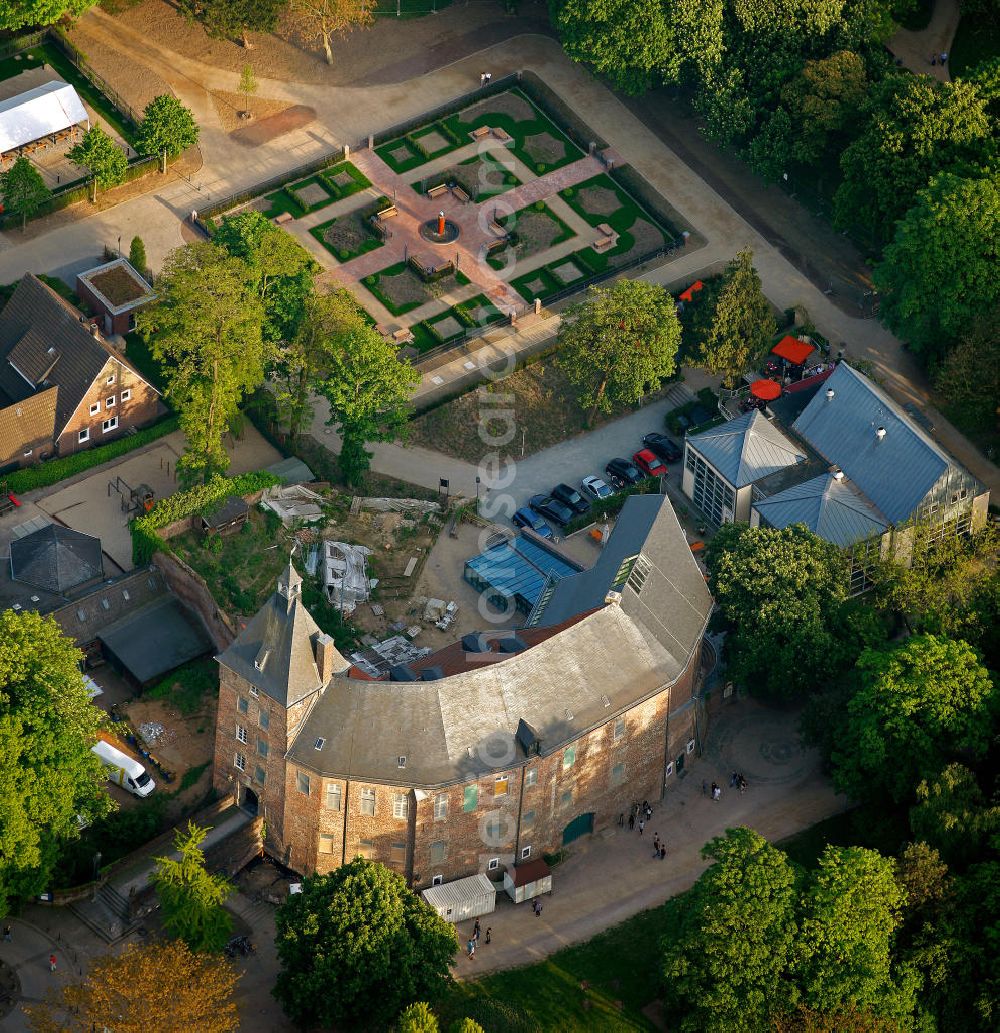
525,852
111,378
241,733
327,844
240,761
669,770
437,880
439,851
253,690
302,782
368,801
494,864
109,402
84,435
619,728
400,805
95,408
334,796
126,394
531,777
690,746
500,785
109,425
440,806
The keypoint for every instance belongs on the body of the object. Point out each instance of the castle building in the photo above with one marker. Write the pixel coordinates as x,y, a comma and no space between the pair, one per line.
492,750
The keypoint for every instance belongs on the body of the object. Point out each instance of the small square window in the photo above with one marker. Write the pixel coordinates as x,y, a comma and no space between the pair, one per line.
400,805
334,796
109,425
493,865
242,704
84,435
319,743
530,777
241,733
619,728
109,402
264,718
260,775
327,844
525,852
262,748
500,786
368,801
669,770
95,408
111,378
253,690
437,880
126,394
440,806
240,761
28,454
439,851
569,757
302,782
470,798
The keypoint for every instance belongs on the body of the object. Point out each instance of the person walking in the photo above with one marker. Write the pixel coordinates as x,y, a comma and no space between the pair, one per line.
663,851
732,780
6,934
475,931
642,825
538,913
489,929
621,819
472,947
656,843
52,963
716,792
631,822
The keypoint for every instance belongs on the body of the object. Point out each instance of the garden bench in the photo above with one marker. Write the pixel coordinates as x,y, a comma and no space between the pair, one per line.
459,194
607,240
284,217
480,133
387,213
496,228
503,136
404,336
441,188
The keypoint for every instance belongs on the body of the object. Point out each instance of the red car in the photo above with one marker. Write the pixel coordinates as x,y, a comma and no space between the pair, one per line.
650,464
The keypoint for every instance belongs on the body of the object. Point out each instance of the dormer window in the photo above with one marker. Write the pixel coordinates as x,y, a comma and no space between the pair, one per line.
261,659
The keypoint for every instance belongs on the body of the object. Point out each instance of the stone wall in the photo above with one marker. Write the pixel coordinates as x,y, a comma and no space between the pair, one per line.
191,589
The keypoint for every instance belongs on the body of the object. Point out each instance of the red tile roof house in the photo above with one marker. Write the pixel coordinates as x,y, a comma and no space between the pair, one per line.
63,387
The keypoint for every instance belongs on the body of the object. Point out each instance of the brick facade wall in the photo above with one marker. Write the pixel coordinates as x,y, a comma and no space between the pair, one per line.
138,410
423,833
191,589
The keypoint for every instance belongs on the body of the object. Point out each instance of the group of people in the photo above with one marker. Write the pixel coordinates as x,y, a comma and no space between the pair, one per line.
640,814
474,939
941,58
485,78
659,848
736,781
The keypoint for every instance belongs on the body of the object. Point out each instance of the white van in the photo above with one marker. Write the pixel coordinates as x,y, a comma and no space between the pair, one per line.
123,770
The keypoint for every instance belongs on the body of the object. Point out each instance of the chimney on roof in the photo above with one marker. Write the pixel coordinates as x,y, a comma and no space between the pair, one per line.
325,650
94,332
829,394
613,599
880,433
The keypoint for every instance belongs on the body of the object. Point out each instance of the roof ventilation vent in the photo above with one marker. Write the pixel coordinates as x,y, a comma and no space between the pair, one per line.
475,643
613,598
606,701
431,673
511,644
829,394
401,673
319,744
838,475
880,433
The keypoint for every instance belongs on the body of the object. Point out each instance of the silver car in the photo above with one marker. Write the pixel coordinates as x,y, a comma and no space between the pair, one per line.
596,489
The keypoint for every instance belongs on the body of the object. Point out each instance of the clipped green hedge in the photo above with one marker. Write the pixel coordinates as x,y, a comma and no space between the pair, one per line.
613,505
145,540
56,470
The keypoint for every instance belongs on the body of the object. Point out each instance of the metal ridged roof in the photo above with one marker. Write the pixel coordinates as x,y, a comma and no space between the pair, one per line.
746,449
896,472
829,507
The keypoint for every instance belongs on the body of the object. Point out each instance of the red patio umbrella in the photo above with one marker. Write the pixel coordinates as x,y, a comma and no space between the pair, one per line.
767,390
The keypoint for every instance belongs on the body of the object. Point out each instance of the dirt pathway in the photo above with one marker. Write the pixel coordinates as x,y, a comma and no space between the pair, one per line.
915,49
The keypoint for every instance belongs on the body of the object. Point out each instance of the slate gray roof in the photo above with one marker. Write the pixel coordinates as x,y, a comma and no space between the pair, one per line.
275,650
35,320
156,639
746,449
897,472
830,508
453,728
56,558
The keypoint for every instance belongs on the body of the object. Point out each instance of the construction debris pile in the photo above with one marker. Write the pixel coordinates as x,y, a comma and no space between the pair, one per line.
293,502
345,575
379,658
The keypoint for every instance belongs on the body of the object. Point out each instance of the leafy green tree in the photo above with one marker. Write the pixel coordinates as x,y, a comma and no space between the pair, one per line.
618,343
192,898
726,105
825,102
206,332
915,127
628,41
728,970
23,14
167,128
784,595
418,1018
952,815
697,36
48,774
467,1026
234,19
356,945
23,190
247,86
852,907
281,269
917,705
742,324
770,151
941,268
306,360
137,256
101,157
968,378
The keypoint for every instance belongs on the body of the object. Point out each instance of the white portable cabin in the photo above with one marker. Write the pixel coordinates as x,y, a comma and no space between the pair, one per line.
464,898
123,770
524,881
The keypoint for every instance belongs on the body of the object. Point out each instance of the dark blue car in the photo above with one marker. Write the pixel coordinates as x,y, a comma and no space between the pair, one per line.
526,518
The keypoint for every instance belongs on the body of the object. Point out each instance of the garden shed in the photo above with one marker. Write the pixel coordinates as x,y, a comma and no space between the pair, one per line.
227,518
464,898
524,881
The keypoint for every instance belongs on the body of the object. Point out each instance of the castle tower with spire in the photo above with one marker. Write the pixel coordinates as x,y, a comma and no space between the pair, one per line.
269,679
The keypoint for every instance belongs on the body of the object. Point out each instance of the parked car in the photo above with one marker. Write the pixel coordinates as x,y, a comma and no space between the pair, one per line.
552,509
622,473
594,488
650,464
666,448
570,497
525,518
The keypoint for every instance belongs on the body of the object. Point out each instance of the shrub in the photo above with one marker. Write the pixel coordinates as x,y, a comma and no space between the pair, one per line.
539,206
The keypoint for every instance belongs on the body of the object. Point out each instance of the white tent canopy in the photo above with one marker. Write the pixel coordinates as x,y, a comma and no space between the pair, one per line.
39,112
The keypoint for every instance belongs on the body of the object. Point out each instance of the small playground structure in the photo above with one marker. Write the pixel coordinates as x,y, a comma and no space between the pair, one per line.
134,501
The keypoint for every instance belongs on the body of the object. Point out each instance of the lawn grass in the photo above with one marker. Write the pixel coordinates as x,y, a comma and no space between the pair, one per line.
191,776
977,39
188,687
509,223
359,181
11,66
371,283
416,158
552,284
369,243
